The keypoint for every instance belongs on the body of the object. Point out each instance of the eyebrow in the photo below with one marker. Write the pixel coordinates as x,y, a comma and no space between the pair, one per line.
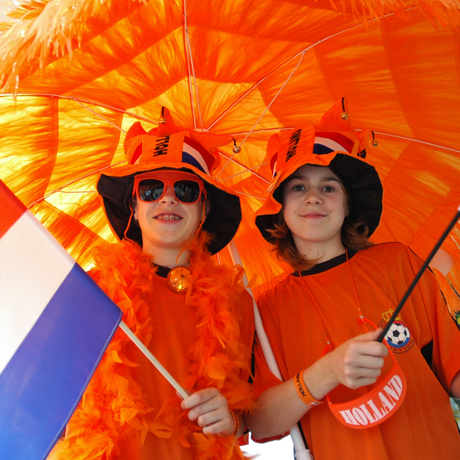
323,179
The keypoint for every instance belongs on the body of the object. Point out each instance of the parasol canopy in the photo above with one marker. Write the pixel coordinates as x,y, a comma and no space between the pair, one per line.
76,74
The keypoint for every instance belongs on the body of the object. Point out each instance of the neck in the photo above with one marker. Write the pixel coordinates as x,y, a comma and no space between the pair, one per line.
321,252
168,257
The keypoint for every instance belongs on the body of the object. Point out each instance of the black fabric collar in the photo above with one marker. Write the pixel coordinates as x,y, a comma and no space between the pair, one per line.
162,271
324,266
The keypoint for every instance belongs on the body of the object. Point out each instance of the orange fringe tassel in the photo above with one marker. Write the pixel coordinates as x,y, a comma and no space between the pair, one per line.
113,407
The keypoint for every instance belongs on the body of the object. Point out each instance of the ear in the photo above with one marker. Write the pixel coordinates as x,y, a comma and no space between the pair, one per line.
348,206
134,207
207,207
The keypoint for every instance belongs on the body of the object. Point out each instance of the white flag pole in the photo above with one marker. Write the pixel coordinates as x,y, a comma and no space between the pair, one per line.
153,360
301,451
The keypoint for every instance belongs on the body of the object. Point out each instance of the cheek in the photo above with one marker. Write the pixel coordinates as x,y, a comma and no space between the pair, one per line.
289,200
286,213
142,211
286,198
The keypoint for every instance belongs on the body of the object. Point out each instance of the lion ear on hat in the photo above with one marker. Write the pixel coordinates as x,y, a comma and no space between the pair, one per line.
365,137
135,130
166,125
273,147
336,119
210,142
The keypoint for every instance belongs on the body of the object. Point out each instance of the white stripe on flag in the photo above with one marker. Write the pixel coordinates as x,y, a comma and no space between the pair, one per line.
197,156
37,265
335,146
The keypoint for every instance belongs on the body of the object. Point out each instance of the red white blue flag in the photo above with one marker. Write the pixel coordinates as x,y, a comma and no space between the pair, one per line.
55,324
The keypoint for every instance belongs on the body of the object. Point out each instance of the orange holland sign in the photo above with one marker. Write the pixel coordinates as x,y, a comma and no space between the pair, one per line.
376,406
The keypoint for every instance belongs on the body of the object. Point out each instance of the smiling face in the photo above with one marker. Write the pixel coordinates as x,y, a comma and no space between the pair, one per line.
314,208
167,226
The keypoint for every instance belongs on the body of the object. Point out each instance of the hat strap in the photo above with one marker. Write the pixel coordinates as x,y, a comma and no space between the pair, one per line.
129,223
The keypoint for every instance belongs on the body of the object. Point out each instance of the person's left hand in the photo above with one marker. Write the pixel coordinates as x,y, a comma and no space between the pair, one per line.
210,410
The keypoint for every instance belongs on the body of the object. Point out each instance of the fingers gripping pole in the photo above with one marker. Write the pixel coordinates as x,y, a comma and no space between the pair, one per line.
153,360
302,453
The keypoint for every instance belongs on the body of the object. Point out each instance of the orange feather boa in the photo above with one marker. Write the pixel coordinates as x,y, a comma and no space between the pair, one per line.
113,406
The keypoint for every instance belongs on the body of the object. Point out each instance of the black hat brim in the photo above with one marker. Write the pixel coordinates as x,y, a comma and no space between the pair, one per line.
221,222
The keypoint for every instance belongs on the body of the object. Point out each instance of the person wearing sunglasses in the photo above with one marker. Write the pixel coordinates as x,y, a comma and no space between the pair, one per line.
169,206
192,313
350,396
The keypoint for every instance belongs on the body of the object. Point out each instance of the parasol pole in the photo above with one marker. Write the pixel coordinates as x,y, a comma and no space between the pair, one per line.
419,274
153,360
301,450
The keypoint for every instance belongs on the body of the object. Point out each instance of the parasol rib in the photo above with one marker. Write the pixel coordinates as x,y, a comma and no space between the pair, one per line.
265,111
99,115
191,72
302,53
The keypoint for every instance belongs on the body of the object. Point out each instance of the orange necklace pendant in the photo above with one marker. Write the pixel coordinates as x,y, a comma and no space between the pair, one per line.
179,279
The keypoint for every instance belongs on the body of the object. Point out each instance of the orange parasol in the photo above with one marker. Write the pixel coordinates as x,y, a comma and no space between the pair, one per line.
77,73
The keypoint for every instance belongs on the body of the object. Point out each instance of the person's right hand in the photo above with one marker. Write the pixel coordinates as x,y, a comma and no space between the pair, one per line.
358,361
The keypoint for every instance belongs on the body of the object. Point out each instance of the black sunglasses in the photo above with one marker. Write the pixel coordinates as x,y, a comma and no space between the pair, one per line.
152,186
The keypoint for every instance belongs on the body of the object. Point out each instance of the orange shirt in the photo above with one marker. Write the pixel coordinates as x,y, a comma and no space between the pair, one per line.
424,426
174,334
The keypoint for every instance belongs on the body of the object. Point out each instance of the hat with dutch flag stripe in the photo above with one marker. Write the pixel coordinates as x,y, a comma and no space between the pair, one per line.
335,144
169,147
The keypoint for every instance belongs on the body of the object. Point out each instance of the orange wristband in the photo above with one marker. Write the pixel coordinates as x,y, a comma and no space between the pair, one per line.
303,392
237,422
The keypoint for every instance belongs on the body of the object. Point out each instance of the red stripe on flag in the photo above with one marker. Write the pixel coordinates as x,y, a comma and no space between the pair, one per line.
12,208
344,141
208,157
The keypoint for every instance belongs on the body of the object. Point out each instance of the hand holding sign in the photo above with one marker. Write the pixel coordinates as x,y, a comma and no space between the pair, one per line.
358,361
385,398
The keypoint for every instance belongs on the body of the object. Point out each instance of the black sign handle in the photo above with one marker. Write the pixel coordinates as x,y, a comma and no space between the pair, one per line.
419,274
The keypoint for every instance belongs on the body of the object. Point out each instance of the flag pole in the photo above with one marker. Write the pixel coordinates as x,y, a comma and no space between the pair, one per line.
301,450
153,360
419,274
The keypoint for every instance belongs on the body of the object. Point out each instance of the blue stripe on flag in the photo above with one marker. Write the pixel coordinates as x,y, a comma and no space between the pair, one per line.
187,158
45,379
320,149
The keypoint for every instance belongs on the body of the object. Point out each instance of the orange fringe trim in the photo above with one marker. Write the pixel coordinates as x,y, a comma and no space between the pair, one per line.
113,406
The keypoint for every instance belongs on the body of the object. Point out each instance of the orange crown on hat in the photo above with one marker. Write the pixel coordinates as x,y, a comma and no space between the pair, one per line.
170,144
334,133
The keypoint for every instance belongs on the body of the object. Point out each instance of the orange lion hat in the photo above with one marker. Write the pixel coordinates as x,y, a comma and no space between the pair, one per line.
170,147
332,143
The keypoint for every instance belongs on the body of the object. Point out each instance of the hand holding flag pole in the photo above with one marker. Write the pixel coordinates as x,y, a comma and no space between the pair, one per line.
419,274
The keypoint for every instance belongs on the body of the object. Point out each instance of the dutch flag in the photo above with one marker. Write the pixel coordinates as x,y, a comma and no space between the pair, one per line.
55,324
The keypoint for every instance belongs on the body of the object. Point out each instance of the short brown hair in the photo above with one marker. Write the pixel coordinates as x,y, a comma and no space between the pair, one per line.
354,236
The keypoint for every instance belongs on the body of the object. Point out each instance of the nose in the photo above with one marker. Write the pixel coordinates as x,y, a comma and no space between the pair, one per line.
312,196
168,196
